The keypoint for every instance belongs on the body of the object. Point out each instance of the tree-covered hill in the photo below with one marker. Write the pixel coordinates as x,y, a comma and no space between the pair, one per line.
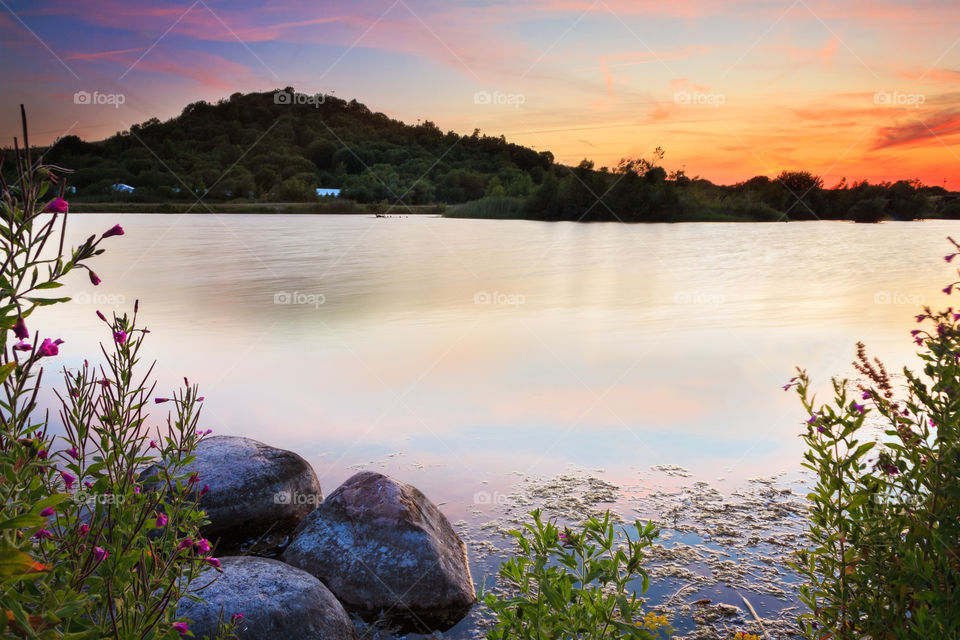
252,146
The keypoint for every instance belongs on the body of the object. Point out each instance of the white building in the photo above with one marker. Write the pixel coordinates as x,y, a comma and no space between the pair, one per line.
328,193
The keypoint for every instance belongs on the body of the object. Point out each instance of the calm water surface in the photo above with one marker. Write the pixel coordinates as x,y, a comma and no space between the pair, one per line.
458,355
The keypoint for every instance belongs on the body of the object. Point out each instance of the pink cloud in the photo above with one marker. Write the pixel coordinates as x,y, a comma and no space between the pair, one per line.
933,130
950,76
95,55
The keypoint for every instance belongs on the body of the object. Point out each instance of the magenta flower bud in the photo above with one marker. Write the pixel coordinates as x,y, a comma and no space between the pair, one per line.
94,278
99,555
237,617
49,348
73,453
59,205
160,401
101,316
948,290
119,337
202,545
865,396
20,329
153,444
83,529
181,627
42,534
88,484
213,562
859,407
46,513
68,479
194,479
200,399
161,520
136,490
115,230
42,454
22,346
186,543
950,257
204,491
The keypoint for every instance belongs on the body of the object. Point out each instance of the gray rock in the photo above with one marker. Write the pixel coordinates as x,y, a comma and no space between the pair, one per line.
276,600
387,553
257,492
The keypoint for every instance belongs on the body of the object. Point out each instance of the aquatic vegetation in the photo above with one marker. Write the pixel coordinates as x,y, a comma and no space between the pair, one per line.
710,543
884,524
576,584
86,550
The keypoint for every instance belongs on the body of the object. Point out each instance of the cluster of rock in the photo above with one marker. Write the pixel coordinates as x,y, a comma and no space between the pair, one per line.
375,549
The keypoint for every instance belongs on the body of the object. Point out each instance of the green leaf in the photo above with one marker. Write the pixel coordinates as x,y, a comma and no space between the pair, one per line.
14,562
23,521
6,370
49,285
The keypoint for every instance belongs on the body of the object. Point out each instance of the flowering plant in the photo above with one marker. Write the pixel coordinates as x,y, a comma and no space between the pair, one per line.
884,532
87,550
566,584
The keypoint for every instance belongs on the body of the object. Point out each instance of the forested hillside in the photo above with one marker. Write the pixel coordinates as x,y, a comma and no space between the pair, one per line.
280,146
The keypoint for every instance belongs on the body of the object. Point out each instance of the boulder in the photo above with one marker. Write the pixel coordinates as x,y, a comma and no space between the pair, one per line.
276,600
388,555
258,494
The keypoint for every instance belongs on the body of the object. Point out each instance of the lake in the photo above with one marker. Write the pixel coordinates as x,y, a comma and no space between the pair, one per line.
475,358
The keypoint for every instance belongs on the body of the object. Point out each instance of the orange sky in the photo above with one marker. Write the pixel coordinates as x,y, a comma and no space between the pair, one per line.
729,89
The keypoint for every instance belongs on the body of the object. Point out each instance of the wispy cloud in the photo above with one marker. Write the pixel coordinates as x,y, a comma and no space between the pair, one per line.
935,128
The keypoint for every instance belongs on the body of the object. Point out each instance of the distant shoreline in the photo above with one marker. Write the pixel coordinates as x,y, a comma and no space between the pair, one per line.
314,208
459,211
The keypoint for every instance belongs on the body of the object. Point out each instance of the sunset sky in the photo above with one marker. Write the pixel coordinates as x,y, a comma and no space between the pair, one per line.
858,88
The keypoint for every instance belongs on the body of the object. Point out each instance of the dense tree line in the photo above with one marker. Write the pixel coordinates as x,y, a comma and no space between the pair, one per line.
254,147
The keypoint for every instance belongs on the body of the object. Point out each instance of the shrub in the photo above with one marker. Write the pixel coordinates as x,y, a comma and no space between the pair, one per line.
86,551
884,531
491,207
575,585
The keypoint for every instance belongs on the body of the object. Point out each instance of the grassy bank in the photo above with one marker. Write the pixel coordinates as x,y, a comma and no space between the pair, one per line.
330,208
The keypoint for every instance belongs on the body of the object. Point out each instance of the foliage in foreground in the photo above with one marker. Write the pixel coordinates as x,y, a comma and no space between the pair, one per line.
884,531
86,550
564,584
